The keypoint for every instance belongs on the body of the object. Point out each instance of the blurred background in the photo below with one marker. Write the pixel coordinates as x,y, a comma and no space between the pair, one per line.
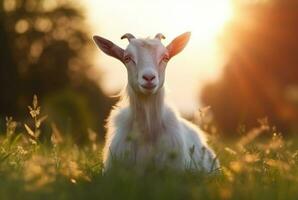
241,60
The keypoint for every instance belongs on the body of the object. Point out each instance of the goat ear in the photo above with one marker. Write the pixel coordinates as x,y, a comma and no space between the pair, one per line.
178,44
109,47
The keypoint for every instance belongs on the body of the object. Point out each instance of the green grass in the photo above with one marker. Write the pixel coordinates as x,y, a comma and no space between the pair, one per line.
253,167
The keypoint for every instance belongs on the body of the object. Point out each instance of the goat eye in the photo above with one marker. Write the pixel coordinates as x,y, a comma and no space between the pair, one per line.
127,59
165,58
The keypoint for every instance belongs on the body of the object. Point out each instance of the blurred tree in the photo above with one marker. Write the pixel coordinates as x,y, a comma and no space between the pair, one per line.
45,50
260,78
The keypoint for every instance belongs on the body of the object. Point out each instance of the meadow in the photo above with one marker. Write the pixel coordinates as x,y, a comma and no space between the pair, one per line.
259,165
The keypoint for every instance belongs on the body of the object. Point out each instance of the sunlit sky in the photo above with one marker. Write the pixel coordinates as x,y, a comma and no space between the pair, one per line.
200,62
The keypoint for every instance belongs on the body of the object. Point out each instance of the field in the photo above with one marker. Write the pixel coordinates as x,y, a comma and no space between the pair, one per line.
259,165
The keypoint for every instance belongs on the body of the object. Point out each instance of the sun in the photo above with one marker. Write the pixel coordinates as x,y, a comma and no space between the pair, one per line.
213,16
205,18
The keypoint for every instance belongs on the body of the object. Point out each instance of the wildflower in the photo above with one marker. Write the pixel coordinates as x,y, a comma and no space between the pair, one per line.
231,151
251,158
73,180
21,150
31,134
228,173
92,137
236,166
10,126
34,112
251,136
56,137
277,164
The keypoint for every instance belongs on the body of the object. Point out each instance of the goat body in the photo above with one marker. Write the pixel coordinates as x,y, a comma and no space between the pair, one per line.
145,130
148,130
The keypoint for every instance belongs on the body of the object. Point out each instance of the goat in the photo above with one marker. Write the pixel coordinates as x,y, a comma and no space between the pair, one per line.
145,128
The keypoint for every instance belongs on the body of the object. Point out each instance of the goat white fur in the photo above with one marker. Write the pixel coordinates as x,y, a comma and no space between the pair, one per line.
145,129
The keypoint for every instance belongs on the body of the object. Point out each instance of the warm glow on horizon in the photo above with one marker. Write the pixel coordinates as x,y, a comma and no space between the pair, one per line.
201,61
205,19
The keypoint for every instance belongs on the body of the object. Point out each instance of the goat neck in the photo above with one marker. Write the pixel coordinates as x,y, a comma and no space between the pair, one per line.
147,112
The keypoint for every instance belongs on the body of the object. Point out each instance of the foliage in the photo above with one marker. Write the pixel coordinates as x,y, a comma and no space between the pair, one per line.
46,49
260,78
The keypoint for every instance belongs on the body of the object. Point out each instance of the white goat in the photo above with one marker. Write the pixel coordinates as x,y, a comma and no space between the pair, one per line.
146,129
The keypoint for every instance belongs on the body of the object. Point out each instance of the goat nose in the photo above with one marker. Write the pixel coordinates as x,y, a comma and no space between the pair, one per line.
149,77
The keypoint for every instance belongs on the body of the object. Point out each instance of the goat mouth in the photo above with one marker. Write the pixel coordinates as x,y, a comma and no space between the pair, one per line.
148,86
